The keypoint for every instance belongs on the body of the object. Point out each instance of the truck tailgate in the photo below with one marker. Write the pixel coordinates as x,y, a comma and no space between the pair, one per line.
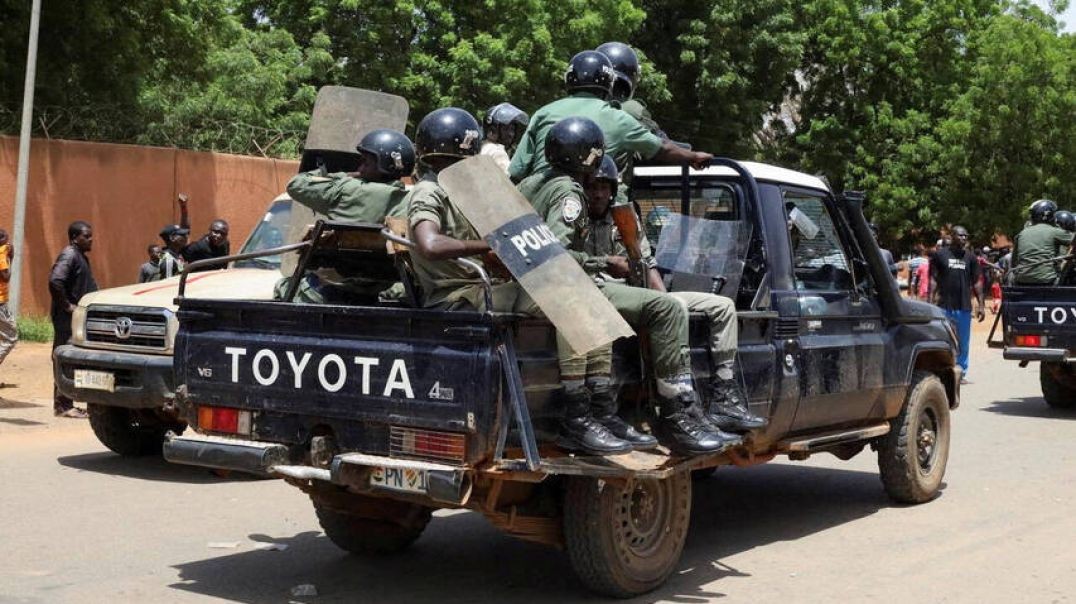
357,373
1047,315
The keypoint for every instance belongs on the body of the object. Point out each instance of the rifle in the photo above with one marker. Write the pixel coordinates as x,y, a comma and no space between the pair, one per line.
628,224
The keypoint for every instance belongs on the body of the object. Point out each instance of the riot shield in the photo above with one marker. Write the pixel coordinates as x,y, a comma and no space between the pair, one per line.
341,117
531,252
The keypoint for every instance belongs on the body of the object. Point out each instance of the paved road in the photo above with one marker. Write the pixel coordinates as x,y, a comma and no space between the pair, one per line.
82,525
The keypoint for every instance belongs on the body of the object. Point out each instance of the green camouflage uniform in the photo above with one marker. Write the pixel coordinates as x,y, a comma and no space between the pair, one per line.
1036,243
342,198
624,135
638,110
604,240
560,202
444,283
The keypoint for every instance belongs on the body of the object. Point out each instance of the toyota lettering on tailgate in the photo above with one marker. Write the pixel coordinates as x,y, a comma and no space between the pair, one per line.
1058,315
329,371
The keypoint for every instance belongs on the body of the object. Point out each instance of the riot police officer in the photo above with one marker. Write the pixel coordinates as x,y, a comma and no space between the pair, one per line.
1039,241
589,81
573,150
1065,220
504,124
628,71
727,401
369,194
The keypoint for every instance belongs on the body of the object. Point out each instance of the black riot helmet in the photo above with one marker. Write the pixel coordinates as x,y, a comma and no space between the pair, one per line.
590,71
607,171
448,132
393,152
575,145
1066,220
626,64
504,114
1043,210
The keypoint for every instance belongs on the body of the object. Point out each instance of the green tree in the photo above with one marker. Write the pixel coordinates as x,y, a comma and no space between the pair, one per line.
728,63
95,56
1009,138
253,95
468,53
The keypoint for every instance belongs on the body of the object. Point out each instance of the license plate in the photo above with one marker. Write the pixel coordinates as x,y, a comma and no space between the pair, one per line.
95,380
399,479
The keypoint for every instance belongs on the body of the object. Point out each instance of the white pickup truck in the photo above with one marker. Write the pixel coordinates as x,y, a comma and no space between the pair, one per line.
119,360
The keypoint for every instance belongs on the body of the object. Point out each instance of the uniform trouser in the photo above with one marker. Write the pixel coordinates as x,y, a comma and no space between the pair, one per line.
721,314
961,320
9,332
664,319
61,333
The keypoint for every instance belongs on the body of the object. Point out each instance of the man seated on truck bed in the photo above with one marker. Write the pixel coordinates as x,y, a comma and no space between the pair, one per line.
727,404
574,149
369,194
1036,244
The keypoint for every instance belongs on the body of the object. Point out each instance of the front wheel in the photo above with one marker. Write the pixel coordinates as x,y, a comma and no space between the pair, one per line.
1058,385
913,455
625,539
131,433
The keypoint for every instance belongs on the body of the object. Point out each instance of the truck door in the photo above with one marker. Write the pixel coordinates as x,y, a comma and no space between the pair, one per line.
840,330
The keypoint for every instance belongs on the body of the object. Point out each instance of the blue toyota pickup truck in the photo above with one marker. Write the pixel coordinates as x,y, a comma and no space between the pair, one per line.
383,414
1039,324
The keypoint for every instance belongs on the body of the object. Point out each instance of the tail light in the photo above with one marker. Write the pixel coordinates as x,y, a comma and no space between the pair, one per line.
428,444
1031,341
224,419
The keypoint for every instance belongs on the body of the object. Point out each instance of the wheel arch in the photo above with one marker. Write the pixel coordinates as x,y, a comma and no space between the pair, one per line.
942,363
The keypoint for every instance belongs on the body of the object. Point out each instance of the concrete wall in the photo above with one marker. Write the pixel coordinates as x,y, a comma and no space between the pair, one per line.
127,193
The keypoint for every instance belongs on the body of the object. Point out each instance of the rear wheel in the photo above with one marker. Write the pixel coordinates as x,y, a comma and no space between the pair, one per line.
369,525
129,432
625,539
1058,385
913,455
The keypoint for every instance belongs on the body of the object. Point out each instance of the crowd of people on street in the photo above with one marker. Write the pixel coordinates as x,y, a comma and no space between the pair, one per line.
168,258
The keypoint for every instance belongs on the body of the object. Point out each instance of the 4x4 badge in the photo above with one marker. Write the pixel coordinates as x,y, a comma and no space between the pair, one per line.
122,329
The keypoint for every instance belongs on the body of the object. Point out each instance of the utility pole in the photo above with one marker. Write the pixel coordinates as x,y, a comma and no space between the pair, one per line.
23,174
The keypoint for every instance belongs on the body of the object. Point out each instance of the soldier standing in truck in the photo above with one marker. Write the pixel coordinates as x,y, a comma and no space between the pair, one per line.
589,80
369,194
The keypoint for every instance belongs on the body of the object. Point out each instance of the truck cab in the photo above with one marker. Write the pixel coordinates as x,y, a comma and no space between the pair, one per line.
119,358
384,413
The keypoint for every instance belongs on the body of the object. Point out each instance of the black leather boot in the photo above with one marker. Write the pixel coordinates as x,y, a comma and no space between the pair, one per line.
604,407
686,435
625,431
728,408
579,431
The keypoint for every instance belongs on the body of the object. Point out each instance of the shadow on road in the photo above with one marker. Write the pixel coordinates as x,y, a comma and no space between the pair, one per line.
7,403
151,467
18,421
1029,406
461,557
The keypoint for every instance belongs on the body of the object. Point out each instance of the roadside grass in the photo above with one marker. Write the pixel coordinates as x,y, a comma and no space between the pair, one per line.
35,329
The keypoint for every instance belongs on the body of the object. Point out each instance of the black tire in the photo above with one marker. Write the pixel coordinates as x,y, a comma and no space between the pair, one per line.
913,455
128,432
1058,391
625,540
368,536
